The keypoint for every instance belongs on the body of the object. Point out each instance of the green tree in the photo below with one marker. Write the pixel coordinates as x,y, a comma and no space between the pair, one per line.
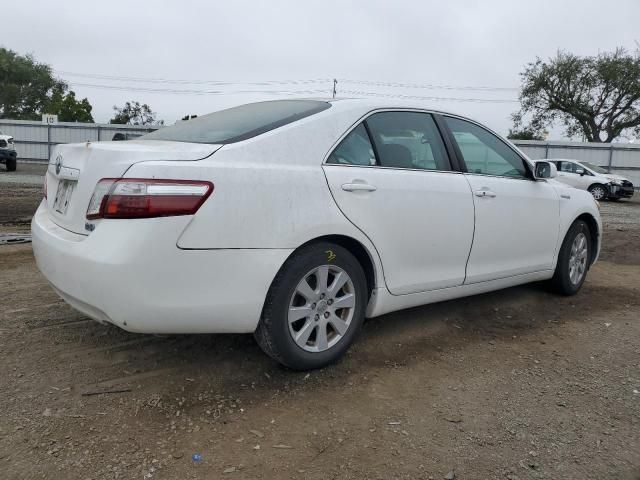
526,134
68,109
595,97
28,89
133,113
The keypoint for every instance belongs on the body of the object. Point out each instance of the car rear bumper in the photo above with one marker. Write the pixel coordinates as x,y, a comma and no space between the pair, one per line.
131,273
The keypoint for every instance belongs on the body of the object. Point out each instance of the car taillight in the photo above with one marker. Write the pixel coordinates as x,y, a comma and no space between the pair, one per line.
147,198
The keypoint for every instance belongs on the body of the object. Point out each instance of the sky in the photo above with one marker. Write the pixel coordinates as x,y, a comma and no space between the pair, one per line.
194,57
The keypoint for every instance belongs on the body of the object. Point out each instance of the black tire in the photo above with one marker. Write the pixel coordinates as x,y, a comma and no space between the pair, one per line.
599,191
273,332
561,282
11,164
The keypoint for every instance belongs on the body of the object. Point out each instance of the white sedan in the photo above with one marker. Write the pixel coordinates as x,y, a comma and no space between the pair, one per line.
296,219
595,179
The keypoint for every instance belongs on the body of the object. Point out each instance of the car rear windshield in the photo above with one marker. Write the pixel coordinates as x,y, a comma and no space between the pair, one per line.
238,123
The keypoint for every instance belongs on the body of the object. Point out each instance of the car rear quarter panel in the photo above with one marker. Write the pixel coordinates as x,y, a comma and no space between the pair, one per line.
270,192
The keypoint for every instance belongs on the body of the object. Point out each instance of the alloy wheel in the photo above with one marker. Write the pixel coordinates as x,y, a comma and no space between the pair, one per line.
321,308
598,193
578,258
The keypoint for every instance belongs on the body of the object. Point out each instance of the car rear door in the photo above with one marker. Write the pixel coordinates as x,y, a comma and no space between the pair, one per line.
517,218
392,178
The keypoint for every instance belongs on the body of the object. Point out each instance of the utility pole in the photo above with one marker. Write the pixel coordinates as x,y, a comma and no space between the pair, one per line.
335,83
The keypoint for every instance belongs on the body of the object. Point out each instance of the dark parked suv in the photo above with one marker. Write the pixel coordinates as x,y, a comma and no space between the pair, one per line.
8,154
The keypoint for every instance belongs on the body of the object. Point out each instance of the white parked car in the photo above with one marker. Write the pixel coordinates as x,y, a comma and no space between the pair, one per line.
595,179
296,219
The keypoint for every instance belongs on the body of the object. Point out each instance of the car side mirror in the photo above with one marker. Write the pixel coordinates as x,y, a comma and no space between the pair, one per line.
545,170
580,171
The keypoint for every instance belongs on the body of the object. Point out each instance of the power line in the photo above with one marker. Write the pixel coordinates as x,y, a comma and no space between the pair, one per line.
357,93
114,82
372,83
196,92
418,97
428,86
264,83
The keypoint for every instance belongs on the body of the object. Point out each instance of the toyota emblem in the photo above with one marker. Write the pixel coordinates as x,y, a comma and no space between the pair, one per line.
58,164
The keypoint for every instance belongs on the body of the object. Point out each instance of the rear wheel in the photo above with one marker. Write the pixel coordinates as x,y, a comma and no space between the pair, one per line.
573,260
315,307
11,164
598,191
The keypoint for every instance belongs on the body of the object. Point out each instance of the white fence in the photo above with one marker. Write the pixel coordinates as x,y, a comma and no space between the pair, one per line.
34,140
619,158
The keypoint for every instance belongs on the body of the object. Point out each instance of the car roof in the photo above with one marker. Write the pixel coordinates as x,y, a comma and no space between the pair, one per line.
572,160
369,104
362,106
366,105
384,103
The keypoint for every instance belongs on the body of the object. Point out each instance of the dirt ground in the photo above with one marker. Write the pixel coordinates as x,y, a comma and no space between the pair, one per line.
516,384
20,195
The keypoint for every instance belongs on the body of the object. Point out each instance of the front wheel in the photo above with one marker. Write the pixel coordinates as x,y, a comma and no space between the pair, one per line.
598,191
315,307
573,260
11,164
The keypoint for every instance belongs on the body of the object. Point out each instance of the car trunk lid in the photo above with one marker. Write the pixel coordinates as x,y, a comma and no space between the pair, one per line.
75,169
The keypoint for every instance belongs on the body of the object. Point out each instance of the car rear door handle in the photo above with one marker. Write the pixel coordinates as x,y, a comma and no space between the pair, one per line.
485,192
355,187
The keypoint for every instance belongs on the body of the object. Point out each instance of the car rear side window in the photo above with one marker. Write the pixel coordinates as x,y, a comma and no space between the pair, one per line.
355,149
239,123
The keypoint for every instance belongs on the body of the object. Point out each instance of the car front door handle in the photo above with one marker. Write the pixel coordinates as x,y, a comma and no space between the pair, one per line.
485,192
358,187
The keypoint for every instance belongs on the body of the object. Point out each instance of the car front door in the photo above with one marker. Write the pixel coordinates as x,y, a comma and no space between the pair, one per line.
392,178
572,174
517,218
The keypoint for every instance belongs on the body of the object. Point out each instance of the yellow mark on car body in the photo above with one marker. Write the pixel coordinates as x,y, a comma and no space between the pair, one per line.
330,255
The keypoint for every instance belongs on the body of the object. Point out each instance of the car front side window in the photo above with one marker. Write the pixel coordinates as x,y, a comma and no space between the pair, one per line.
483,152
567,167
